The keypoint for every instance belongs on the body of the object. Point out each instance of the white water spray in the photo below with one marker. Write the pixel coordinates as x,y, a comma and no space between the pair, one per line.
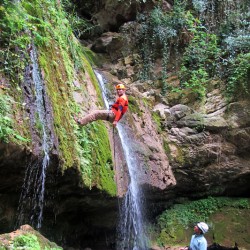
33,190
131,230
46,140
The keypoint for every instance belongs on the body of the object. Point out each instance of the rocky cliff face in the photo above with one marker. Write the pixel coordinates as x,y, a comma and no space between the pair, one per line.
203,152
193,148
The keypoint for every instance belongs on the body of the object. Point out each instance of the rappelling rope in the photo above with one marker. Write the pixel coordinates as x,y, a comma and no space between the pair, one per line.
116,175
114,156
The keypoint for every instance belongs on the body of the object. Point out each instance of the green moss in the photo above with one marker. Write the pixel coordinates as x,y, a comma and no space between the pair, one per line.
156,117
166,147
87,146
231,224
99,158
27,241
8,130
62,60
179,154
134,106
174,236
56,80
176,223
33,242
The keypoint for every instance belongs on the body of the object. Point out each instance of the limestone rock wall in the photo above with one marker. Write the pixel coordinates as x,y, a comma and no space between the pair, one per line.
186,146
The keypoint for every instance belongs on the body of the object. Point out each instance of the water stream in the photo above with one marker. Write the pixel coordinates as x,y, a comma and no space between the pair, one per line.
46,140
31,201
131,228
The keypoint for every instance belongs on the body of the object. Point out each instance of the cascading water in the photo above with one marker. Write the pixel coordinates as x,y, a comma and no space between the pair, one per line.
131,229
46,142
32,196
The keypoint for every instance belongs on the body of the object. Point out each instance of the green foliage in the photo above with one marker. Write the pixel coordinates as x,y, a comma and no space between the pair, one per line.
200,59
235,28
134,107
209,50
238,43
161,29
203,50
32,242
180,216
130,1
157,118
239,75
79,25
26,22
26,241
12,23
158,31
85,152
95,157
6,124
222,52
62,60
195,80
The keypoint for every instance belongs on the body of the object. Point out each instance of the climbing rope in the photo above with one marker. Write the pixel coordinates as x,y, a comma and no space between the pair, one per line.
114,155
116,176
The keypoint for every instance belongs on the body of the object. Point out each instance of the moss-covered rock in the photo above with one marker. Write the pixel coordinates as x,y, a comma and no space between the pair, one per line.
26,238
228,219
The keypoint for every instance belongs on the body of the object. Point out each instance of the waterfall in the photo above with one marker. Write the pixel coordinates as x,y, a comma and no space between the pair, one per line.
131,229
32,195
46,142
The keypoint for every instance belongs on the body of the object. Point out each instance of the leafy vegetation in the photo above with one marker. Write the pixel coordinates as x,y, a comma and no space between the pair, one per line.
28,241
206,47
95,157
5,122
7,130
158,30
239,75
62,61
31,242
182,216
80,26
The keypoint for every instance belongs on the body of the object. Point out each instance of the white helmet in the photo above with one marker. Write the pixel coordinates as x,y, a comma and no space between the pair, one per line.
203,227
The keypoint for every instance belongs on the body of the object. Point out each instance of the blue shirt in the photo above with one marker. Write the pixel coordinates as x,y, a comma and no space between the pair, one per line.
198,242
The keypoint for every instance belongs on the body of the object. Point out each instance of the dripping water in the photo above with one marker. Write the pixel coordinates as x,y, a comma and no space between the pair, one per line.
131,229
31,201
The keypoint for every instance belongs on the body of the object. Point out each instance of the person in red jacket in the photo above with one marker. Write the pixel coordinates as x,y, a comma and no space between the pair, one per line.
118,109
